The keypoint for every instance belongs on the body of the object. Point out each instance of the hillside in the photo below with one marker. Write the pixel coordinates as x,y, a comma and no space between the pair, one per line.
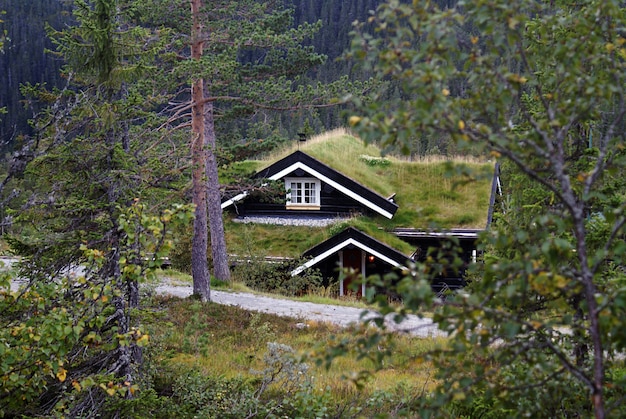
436,193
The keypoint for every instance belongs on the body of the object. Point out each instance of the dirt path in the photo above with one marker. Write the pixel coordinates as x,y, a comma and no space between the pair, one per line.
302,311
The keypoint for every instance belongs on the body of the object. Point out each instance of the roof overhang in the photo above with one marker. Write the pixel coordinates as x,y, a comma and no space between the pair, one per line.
302,161
340,246
356,238
462,234
334,184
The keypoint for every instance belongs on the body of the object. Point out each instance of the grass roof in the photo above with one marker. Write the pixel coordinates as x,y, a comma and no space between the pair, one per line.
434,193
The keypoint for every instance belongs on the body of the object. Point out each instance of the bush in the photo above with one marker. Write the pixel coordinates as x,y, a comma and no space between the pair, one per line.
214,397
276,277
287,387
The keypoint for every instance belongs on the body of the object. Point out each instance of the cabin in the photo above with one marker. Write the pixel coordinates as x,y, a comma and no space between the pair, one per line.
356,254
316,191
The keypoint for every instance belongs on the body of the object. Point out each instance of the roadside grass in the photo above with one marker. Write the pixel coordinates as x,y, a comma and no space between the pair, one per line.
227,341
320,295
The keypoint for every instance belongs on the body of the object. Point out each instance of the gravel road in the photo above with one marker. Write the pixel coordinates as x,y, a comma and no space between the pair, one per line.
339,315
300,311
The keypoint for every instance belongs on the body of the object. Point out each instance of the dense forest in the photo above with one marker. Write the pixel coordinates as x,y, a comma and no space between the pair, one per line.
26,57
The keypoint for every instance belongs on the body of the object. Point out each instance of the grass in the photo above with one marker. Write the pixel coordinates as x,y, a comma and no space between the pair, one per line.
230,342
434,192
261,240
321,296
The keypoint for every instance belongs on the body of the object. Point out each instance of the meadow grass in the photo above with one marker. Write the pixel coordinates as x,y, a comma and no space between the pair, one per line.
230,342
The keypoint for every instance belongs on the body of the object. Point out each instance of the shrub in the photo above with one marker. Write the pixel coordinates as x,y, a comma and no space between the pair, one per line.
214,397
293,395
374,161
276,277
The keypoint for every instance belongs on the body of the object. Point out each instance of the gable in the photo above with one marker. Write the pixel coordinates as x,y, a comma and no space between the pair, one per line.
351,237
314,168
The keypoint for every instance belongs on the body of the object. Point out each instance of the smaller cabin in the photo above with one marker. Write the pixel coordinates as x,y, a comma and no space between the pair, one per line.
354,252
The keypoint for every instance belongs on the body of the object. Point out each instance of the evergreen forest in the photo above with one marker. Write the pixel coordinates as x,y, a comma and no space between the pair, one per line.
27,58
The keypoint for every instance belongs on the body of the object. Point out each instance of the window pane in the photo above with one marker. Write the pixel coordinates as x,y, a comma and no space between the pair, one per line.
296,192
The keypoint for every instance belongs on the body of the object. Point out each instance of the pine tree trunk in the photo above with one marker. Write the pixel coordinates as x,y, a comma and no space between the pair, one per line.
199,264
214,203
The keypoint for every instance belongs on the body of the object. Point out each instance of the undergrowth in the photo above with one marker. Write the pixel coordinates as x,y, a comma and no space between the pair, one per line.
209,360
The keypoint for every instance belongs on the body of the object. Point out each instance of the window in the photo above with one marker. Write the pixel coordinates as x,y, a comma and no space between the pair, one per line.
303,193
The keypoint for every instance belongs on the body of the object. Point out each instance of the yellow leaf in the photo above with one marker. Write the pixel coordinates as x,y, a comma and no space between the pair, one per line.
461,125
143,340
353,120
609,47
62,374
561,281
459,395
76,385
474,40
445,92
110,391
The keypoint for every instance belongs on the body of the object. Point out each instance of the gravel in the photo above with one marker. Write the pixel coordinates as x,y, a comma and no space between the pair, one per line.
305,311
292,221
298,310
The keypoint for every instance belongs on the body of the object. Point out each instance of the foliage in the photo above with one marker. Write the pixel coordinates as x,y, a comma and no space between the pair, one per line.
89,165
530,83
38,334
59,347
276,278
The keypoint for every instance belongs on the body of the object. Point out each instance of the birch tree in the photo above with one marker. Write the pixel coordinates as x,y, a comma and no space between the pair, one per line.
539,85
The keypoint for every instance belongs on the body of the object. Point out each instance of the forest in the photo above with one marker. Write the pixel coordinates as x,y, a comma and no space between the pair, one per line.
124,122
26,57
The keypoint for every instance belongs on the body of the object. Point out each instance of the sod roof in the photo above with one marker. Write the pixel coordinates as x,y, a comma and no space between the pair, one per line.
433,193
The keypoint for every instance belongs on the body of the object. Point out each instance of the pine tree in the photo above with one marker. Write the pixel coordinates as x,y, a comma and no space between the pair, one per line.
241,57
89,172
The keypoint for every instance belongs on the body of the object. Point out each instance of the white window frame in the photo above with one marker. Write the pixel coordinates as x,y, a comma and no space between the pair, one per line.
303,198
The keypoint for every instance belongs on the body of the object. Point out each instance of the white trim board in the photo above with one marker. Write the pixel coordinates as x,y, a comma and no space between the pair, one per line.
340,246
318,175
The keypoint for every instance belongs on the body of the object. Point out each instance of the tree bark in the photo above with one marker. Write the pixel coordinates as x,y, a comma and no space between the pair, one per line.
199,263
214,203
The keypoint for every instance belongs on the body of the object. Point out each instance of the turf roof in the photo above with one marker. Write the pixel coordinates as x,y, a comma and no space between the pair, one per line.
433,194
